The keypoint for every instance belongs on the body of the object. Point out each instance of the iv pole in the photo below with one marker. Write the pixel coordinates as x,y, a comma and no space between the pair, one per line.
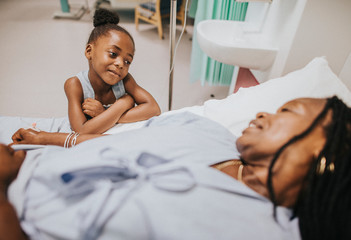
172,34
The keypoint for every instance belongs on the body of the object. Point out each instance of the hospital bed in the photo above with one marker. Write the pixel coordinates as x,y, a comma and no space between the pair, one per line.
316,79
234,113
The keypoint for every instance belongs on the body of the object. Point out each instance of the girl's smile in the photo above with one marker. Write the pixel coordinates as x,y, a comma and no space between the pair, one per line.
115,73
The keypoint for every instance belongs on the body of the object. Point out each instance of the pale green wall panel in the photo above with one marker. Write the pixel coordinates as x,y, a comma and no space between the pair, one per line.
202,67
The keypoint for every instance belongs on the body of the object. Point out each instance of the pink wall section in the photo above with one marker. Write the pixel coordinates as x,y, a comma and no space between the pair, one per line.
245,79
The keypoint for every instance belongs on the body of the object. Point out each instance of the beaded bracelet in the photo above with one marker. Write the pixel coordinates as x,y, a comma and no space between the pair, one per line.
74,140
71,138
68,138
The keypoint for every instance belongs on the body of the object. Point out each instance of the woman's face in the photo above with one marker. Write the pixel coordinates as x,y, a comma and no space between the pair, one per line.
110,56
268,132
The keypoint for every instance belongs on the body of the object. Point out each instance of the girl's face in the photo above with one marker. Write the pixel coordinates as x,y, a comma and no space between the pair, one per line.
268,132
110,56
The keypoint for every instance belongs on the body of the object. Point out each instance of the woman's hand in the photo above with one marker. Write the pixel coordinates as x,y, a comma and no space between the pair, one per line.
26,136
92,107
10,163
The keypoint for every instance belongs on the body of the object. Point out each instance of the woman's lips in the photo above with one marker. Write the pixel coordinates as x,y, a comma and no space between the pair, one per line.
253,125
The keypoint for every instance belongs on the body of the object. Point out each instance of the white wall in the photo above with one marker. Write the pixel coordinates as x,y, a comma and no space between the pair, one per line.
345,73
304,29
281,25
256,15
324,30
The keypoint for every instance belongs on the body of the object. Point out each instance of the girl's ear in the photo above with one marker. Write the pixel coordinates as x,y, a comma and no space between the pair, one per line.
88,50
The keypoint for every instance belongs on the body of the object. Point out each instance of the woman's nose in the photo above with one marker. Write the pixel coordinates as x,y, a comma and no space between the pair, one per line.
261,114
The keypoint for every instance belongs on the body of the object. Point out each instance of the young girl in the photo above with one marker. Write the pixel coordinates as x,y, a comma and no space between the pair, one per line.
107,94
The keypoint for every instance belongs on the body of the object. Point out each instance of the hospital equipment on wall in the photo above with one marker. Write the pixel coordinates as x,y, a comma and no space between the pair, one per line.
75,11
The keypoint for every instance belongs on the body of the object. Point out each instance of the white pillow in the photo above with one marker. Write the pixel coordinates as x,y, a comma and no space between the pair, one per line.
316,79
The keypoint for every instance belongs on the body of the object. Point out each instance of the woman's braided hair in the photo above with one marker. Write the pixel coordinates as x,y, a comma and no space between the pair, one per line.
324,204
105,21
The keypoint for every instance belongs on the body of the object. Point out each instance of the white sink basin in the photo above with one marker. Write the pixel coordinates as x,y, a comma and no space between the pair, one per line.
233,43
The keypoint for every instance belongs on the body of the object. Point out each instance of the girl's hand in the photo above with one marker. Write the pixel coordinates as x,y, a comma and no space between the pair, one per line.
92,107
10,163
26,136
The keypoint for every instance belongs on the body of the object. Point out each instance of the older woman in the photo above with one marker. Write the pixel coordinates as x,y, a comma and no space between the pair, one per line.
155,182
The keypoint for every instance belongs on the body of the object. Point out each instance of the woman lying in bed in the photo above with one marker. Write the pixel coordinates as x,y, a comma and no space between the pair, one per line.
155,183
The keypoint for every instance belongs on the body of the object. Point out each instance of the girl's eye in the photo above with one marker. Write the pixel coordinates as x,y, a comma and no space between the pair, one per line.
113,54
284,110
127,62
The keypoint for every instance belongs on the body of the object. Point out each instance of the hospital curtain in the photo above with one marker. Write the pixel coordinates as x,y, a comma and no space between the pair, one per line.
202,67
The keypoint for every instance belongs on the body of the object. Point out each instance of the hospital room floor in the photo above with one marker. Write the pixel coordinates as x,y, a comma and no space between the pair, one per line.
38,53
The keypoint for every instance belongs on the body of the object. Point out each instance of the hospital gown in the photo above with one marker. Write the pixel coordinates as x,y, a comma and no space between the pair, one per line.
150,183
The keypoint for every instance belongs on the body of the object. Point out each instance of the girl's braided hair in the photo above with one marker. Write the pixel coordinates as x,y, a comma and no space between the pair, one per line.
324,204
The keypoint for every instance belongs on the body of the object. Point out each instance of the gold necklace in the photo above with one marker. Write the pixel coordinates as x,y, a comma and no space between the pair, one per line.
222,165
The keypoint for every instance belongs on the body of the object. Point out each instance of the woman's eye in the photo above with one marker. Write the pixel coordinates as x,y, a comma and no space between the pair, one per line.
284,110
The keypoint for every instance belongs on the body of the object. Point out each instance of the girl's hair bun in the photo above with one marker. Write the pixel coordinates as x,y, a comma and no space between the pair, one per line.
104,16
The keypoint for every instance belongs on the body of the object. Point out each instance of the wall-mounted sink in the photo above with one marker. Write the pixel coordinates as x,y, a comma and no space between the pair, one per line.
234,43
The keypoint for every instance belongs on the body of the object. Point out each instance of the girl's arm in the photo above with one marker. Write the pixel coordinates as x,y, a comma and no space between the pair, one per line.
98,124
74,94
30,136
147,106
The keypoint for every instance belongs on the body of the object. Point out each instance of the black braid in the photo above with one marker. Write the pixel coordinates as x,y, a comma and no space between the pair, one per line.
324,210
105,21
324,204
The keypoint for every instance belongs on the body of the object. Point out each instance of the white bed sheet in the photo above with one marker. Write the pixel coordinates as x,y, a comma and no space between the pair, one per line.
9,125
